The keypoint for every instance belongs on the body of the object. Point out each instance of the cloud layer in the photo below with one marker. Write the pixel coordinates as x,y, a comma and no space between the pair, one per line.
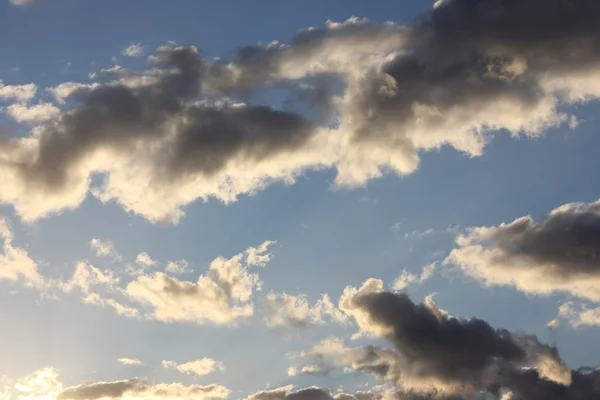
377,96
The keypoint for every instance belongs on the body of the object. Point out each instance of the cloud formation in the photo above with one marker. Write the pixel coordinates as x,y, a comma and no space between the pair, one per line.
559,253
379,95
432,352
283,310
201,367
221,296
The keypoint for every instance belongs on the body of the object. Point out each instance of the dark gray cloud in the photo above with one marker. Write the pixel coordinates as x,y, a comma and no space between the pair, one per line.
558,253
433,352
527,385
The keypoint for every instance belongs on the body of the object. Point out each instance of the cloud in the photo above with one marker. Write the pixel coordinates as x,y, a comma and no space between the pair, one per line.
86,276
433,351
104,248
137,389
427,232
21,93
133,50
129,361
406,279
67,89
556,254
311,393
283,309
145,260
179,132
15,262
201,367
222,296
34,114
44,384
177,267
577,315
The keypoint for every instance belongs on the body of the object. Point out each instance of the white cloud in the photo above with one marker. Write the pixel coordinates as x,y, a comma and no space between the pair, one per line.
406,278
15,262
21,93
66,89
104,248
145,260
86,276
177,267
34,114
133,50
222,296
283,309
129,361
203,366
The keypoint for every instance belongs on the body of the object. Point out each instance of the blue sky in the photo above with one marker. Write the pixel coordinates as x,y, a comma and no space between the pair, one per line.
327,236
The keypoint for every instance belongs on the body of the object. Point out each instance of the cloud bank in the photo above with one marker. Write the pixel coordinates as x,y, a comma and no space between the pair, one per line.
378,95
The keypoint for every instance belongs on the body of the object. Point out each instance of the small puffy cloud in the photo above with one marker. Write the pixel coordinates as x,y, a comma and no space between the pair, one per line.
258,256
221,296
34,114
405,278
145,260
283,309
129,361
559,253
21,93
203,366
177,267
133,50
15,262
104,248
577,315
86,276
66,89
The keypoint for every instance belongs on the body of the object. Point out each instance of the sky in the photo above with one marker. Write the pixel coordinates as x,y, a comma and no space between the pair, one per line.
299,200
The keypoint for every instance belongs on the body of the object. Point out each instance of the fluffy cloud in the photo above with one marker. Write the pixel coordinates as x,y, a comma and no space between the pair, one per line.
283,309
433,352
34,114
203,366
405,278
21,93
104,248
177,267
556,254
15,262
222,296
133,50
86,276
178,132
145,260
